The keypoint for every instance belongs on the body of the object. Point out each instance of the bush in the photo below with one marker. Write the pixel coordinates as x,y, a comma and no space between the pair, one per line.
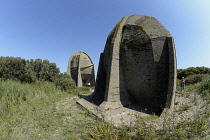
191,71
64,82
204,89
106,131
189,129
204,85
196,78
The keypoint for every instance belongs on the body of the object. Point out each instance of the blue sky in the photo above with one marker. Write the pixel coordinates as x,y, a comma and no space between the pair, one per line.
55,29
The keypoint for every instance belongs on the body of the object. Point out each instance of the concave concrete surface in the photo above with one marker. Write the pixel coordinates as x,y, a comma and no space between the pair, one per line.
81,69
136,72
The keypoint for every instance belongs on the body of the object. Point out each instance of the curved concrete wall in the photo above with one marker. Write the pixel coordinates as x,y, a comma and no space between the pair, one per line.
81,69
138,66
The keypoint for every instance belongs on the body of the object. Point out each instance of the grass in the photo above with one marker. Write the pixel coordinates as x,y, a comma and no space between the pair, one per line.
184,108
42,111
14,93
191,129
196,127
196,78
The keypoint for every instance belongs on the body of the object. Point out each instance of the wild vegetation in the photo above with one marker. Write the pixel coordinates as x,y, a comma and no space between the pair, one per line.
191,71
190,119
43,106
31,71
40,111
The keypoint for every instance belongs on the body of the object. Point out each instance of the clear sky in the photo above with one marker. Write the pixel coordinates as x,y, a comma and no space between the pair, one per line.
55,29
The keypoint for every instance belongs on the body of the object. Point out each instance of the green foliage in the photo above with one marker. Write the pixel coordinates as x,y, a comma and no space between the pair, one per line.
204,89
64,82
27,71
190,129
14,93
31,71
204,85
144,131
85,88
196,78
106,131
187,130
12,68
40,111
198,83
192,87
178,82
191,71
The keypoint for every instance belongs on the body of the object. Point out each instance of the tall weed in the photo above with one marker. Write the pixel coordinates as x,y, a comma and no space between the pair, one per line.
13,93
106,131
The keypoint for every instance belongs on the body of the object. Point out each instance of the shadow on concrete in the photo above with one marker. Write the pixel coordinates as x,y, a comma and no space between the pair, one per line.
149,82
94,100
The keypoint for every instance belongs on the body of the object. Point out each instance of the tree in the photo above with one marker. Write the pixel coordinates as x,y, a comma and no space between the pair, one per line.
191,71
18,69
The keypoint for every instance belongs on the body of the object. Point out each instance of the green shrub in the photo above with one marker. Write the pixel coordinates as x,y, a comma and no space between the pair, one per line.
190,129
204,89
196,78
84,88
106,131
102,131
74,91
192,87
204,85
145,131
142,130
64,82
192,71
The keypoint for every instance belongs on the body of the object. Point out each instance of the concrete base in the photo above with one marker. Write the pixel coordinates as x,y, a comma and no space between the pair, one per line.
119,116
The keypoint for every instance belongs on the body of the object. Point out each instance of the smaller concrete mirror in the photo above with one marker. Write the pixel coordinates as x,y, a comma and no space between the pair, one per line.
81,69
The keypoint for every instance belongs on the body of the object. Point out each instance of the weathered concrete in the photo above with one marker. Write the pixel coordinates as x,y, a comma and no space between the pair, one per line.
137,69
81,69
